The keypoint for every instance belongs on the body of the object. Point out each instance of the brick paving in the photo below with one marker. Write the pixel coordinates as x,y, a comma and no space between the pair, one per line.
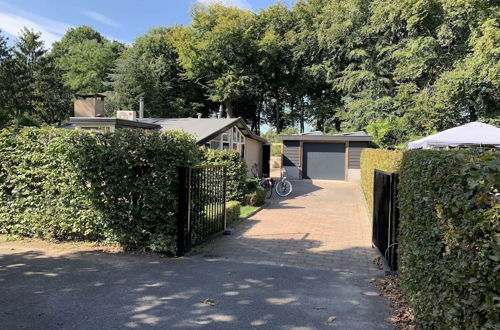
323,225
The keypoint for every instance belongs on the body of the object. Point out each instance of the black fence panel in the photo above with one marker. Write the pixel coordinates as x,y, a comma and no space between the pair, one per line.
386,216
266,159
202,206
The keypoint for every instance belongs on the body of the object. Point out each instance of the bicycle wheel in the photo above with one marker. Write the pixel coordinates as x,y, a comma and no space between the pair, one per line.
284,188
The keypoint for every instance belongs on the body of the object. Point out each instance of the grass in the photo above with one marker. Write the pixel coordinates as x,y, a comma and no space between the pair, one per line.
246,210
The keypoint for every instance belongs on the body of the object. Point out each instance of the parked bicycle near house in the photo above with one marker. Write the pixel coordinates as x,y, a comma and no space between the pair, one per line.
283,187
266,183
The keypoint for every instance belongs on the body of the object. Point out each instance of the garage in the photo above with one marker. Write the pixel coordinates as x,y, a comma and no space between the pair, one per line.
317,156
325,161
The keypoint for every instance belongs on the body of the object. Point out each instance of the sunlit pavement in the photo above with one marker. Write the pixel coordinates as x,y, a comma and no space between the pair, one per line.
296,264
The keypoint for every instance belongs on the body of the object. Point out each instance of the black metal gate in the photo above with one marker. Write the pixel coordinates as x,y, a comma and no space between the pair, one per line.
202,205
386,216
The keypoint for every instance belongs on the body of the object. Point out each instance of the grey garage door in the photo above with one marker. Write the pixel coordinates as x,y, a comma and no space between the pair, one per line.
324,161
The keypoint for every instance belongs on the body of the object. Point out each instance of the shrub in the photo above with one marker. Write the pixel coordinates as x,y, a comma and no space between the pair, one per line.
257,197
276,150
372,159
236,171
232,211
80,185
449,230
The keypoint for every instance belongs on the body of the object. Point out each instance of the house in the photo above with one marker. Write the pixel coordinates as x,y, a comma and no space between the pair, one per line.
214,133
327,157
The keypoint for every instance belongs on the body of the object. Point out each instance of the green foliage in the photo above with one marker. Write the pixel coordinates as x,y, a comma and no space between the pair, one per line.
86,58
79,185
149,69
236,171
372,159
34,88
232,212
276,150
448,237
217,48
256,197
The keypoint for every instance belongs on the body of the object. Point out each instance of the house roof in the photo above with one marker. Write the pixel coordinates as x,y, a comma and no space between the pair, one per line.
203,129
318,136
474,133
119,123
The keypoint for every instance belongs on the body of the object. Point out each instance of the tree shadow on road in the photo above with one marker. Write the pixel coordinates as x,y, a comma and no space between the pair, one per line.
95,290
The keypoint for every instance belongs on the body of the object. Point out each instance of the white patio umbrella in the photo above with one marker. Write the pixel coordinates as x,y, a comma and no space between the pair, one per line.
474,133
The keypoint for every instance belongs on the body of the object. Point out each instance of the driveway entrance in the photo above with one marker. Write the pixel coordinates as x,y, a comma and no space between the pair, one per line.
324,225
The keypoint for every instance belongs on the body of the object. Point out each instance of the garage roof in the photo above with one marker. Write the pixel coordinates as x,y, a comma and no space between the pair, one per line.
315,136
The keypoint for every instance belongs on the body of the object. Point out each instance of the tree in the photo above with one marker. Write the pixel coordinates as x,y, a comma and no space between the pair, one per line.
37,91
6,75
86,59
219,49
150,69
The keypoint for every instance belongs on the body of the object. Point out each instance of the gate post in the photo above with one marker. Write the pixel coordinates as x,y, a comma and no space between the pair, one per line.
182,209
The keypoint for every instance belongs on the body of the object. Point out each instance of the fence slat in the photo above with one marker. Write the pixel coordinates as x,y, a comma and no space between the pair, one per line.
385,216
201,206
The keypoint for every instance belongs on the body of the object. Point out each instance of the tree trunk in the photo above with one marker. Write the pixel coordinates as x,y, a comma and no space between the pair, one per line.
278,126
229,109
302,129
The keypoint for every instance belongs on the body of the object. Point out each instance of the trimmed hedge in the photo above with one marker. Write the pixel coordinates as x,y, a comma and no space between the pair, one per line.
372,159
257,197
450,237
236,171
232,211
81,185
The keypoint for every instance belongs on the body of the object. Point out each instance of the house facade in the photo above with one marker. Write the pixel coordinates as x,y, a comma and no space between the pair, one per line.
214,133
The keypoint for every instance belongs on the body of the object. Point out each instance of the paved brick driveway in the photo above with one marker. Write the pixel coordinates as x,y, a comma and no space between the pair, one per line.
324,225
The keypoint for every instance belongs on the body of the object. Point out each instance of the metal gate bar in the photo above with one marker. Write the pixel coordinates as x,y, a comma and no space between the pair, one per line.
386,216
201,205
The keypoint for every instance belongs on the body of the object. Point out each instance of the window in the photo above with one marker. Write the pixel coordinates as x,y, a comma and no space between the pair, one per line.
230,139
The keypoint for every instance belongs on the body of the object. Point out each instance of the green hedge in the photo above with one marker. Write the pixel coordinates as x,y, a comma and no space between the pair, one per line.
80,185
450,237
372,159
236,171
232,212
257,197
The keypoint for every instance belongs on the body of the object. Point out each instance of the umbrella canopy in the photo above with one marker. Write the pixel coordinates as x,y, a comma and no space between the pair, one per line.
474,133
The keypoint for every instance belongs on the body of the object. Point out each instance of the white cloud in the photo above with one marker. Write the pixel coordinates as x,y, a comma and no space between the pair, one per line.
243,4
13,19
98,17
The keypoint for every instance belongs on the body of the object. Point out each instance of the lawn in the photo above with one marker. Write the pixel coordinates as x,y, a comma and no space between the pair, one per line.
246,210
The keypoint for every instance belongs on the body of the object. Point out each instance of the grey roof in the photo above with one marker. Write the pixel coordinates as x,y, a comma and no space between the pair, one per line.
119,123
203,129
353,136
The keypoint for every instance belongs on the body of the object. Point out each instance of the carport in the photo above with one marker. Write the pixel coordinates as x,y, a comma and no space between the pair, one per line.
323,157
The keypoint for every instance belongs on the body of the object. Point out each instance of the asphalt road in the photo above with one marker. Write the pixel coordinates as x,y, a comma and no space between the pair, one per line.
94,290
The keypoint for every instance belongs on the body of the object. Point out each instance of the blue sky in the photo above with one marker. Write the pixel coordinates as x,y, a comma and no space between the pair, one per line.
121,20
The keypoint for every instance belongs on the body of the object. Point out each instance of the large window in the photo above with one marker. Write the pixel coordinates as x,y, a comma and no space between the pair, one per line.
230,139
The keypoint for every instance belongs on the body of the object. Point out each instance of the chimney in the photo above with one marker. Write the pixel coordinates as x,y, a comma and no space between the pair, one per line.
141,107
221,110
199,115
89,105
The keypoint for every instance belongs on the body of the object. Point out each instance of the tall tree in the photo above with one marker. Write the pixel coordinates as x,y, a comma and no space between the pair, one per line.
150,69
86,59
219,48
6,77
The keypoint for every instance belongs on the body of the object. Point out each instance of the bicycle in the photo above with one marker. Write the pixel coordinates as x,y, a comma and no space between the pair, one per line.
283,187
266,183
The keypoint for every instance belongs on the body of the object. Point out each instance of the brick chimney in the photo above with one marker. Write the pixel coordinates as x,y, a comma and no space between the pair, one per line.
89,105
